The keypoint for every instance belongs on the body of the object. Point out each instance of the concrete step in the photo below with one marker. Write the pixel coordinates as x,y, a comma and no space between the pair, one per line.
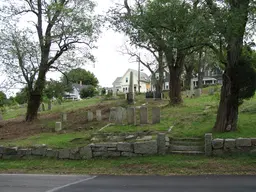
188,152
190,139
187,143
186,148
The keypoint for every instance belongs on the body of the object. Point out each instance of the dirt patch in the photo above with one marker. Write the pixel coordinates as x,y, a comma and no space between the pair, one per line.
77,120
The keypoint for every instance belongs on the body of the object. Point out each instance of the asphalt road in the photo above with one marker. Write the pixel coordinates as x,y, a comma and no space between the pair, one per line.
54,183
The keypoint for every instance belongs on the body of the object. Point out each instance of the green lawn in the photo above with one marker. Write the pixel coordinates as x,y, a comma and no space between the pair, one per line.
195,118
65,106
155,165
53,140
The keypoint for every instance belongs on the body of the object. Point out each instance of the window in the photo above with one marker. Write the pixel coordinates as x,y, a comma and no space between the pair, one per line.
126,79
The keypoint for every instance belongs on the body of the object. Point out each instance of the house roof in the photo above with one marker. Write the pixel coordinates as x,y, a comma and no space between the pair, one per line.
118,80
143,76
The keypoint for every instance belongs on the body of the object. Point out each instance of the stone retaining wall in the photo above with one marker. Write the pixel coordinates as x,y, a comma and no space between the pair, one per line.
123,149
229,146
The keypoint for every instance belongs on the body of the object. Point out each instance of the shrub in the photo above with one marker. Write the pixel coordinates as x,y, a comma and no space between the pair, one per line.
88,91
149,94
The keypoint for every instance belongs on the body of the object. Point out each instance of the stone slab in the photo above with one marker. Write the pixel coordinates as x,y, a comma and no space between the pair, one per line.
143,115
217,143
243,142
64,154
148,147
131,116
86,152
128,147
156,115
229,144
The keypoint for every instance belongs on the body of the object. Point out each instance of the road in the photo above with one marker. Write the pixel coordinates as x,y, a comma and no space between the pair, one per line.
55,183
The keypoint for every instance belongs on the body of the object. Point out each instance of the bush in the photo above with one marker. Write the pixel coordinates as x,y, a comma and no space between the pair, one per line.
149,94
86,92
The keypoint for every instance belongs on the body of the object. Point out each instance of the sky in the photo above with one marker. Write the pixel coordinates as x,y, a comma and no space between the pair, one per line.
110,63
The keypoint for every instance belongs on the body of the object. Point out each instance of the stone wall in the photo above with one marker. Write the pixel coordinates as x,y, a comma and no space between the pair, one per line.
229,146
119,149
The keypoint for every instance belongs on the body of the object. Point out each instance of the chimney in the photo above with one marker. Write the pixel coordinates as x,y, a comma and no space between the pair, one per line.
81,83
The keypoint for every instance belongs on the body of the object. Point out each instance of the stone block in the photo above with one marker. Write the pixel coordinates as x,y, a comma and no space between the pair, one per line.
218,152
112,115
161,144
64,154
253,141
156,115
105,145
99,154
208,144
2,148
58,126
39,151
148,147
90,116
10,151
243,142
86,152
113,154
112,149
129,154
125,147
98,115
131,116
64,117
51,153
217,143
23,152
99,149
143,115
229,144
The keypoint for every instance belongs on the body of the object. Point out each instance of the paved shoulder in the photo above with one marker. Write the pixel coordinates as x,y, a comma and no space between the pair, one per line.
36,183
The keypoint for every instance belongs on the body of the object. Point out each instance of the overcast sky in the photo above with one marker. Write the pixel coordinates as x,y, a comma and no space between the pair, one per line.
110,63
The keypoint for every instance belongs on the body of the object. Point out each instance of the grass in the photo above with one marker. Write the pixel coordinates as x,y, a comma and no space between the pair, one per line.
53,140
154,165
195,118
64,107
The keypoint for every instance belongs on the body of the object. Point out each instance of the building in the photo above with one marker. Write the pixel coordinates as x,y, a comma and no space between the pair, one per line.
166,79
121,84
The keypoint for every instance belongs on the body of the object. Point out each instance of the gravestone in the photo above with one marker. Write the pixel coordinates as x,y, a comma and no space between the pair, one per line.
90,116
130,94
120,115
49,105
43,107
198,92
112,115
64,117
211,91
98,115
125,96
131,116
58,126
156,113
143,115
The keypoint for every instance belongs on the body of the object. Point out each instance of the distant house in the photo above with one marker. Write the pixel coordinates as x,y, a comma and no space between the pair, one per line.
121,84
212,76
75,93
166,79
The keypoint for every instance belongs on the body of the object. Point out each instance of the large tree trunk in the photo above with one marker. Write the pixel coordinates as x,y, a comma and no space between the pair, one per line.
189,76
228,108
175,85
200,70
35,96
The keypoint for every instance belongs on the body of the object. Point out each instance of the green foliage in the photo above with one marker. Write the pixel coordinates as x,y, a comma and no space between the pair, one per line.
246,75
88,91
103,91
78,75
3,98
22,96
54,89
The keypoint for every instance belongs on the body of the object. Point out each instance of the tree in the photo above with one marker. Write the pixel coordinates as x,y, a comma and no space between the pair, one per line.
54,89
103,91
88,91
3,99
60,37
80,75
22,96
230,20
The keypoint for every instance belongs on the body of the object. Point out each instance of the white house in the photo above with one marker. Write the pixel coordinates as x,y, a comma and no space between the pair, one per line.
121,84
75,94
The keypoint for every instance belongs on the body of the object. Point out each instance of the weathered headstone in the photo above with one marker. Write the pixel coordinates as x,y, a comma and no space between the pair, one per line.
131,116
211,91
130,95
64,117
125,96
119,115
161,148
90,116
208,144
143,115
156,113
49,105
98,115
58,126
198,92
112,115
43,107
